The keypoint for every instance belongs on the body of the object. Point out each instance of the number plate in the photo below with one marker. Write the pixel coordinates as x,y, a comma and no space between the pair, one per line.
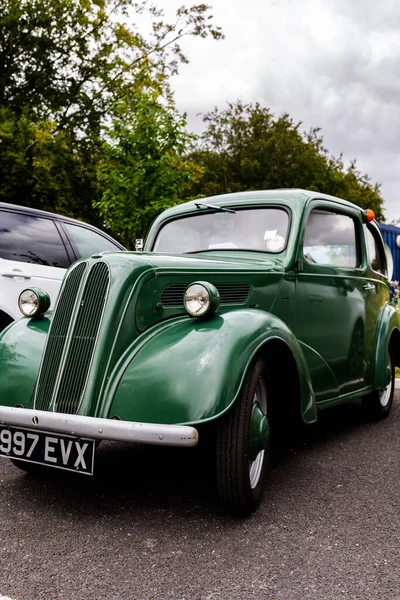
45,448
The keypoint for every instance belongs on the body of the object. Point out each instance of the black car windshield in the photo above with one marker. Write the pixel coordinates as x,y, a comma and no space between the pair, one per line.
257,229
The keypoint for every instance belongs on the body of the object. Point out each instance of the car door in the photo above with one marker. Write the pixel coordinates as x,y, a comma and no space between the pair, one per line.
32,254
331,299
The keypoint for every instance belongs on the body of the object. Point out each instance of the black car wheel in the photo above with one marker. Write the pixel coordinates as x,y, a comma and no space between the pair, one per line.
243,442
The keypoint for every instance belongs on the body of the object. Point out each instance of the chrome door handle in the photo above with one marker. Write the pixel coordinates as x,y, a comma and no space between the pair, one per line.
15,273
369,286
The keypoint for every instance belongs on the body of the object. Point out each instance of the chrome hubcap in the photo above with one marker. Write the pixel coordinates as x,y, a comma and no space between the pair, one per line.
384,395
255,466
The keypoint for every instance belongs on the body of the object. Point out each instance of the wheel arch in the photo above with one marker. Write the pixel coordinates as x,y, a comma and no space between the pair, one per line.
387,337
283,379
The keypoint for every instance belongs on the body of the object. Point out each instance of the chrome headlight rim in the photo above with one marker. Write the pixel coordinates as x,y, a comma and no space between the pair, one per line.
207,295
38,299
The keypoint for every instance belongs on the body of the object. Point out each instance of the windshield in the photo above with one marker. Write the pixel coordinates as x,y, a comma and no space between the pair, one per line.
259,229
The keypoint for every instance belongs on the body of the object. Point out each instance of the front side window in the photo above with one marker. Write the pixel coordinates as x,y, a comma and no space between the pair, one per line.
30,239
257,229
330,239
89,242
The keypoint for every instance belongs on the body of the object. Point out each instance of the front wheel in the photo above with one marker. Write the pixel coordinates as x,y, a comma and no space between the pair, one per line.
378,404
243,442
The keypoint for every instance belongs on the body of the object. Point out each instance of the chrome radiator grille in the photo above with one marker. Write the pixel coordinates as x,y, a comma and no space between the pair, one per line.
74,350
57,338
230,293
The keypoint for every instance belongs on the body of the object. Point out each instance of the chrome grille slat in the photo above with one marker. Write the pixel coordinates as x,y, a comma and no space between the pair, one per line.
230,293
83,340
57,338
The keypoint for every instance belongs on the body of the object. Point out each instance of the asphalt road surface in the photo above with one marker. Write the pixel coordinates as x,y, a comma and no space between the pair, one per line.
148,526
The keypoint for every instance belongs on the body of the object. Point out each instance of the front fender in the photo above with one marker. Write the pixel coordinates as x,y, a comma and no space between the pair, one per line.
192,370
388,322
21,348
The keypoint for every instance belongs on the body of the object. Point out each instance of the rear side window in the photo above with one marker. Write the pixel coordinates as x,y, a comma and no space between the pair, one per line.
375,253
31,239
330,239
88,242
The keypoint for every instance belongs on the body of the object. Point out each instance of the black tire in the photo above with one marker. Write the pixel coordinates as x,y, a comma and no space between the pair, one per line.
240,490
378,404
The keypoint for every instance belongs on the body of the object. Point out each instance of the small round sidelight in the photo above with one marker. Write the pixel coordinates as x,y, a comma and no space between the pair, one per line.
33,302
201,299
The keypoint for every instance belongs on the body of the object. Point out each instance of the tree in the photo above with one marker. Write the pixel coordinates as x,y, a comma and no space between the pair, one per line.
143,170
69,61
65,68
44,168
245,148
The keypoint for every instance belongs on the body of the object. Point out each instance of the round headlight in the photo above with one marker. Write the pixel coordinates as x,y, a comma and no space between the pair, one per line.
201,298
33,302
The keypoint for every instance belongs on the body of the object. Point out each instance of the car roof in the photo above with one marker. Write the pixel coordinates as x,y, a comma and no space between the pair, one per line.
40,213
286,195
46,214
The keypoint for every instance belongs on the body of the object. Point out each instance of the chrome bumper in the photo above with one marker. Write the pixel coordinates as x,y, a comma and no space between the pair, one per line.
99,429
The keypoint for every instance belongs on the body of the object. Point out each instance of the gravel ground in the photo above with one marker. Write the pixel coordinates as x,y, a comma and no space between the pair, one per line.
148,525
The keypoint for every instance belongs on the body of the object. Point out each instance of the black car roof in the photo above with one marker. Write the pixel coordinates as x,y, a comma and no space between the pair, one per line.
44,213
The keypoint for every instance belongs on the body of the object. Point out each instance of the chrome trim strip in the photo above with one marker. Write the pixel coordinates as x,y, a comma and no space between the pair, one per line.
98,428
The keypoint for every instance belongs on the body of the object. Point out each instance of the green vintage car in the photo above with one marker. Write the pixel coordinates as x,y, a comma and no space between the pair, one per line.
241,309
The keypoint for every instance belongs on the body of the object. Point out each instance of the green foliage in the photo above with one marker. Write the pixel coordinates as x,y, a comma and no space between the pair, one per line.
69,61
43,168
143,170
65,68
246,148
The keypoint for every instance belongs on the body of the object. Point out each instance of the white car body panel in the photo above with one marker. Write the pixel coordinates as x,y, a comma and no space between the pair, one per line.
16,276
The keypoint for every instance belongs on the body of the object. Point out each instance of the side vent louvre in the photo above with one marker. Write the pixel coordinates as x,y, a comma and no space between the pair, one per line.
230,293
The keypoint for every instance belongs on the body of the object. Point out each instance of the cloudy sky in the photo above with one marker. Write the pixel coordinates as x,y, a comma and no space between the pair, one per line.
332,64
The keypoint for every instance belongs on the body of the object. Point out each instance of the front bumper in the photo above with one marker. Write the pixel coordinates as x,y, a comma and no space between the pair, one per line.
99,429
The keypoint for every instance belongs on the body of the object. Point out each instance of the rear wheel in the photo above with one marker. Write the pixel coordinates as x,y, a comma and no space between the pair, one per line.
379,403
243,442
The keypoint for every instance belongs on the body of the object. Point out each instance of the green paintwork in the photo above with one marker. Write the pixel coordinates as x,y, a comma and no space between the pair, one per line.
192,371
21,349
388,322
259,432
155,363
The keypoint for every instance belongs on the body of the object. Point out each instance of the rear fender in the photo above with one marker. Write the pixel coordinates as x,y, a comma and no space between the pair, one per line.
191,371
387,329
21,349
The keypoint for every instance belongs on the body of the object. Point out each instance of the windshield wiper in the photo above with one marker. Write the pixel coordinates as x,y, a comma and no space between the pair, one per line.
230,210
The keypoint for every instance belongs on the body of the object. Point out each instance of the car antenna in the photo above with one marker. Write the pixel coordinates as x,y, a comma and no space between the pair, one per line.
199,204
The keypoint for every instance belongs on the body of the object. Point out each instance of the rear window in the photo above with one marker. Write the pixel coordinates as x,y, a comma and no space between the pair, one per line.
30,239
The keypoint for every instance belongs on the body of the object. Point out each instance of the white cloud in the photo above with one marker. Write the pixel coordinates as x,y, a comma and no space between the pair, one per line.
332,64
